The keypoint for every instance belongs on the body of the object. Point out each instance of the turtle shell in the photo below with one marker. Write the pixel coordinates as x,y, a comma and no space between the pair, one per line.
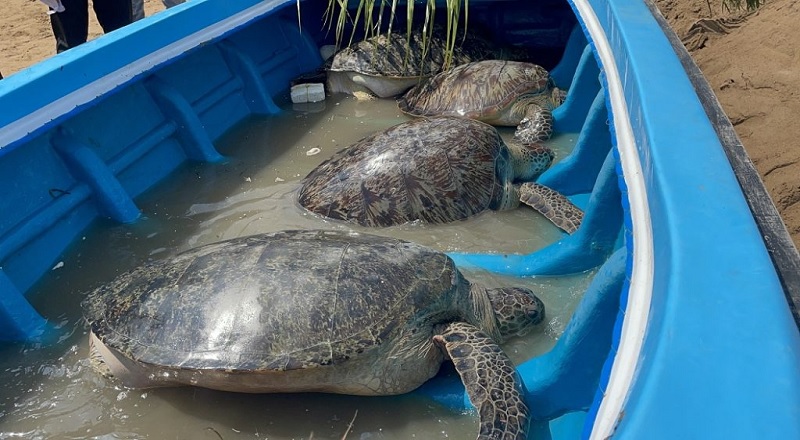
480,90
435,170
280,301
392,55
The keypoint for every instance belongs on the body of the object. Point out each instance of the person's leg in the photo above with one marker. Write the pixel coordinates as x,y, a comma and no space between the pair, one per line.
171,3
113,14
71,26
137,9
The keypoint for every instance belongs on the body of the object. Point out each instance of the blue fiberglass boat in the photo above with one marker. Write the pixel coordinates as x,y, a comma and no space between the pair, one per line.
689,328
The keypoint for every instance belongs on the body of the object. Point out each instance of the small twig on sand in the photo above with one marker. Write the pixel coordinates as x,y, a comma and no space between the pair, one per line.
215,432
350,426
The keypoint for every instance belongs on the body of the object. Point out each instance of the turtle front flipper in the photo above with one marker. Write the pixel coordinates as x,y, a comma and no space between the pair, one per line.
536,126
491,381
553,205
558,96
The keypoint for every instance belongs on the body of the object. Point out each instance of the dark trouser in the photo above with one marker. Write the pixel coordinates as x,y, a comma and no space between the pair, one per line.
71,27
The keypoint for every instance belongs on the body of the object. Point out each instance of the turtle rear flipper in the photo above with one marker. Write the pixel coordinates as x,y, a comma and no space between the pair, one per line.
491,381
553,205
96,358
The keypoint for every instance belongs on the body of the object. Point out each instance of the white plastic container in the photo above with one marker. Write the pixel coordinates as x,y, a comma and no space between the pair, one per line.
311,92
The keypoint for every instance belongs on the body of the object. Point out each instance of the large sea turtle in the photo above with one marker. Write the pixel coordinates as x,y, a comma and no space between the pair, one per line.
318,311
387,65
435,170
498,92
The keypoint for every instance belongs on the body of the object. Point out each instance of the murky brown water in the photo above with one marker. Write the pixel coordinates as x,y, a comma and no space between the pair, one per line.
51,393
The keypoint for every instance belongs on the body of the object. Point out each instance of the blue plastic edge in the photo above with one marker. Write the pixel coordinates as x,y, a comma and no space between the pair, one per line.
57,76
721,350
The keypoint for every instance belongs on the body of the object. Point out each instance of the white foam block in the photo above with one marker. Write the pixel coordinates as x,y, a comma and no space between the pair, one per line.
311,92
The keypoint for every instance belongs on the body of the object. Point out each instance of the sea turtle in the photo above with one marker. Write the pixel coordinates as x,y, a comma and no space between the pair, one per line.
498,92
314,311
435,170
387,65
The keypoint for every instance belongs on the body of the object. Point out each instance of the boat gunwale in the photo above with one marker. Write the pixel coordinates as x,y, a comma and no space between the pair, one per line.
776,237
30,125
706,303
640,256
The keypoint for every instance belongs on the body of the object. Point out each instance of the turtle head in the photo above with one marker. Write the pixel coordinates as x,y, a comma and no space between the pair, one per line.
535,126
529,161
516,310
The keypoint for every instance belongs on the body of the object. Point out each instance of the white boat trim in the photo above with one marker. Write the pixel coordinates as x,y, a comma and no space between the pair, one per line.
637,312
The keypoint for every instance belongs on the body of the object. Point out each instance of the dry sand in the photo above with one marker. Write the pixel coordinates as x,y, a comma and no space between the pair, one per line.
751,61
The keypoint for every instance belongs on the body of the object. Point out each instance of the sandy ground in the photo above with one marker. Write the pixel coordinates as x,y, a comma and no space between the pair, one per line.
26,36
751,61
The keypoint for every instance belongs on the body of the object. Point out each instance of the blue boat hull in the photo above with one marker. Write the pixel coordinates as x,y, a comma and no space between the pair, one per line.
685,332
